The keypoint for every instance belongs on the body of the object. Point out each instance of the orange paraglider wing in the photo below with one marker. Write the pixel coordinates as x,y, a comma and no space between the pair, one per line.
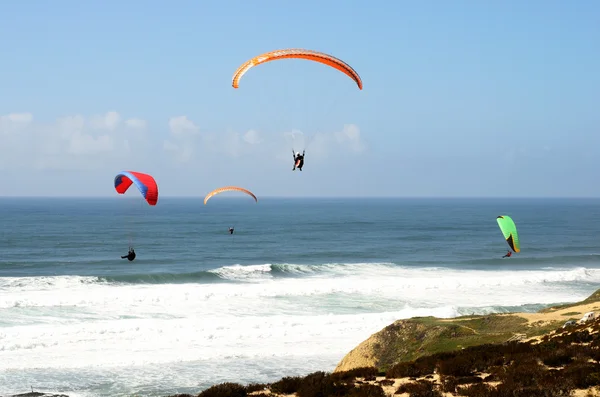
229,188
298,54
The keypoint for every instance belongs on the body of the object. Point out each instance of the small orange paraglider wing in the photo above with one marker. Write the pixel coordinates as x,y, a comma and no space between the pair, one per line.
229,188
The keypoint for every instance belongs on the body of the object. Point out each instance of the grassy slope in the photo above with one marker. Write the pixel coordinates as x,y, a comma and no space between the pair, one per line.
406,340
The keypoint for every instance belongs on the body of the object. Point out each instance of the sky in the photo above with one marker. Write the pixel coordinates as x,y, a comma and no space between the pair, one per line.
459,99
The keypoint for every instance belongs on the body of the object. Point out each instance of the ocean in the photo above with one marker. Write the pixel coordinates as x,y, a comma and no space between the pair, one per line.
299,284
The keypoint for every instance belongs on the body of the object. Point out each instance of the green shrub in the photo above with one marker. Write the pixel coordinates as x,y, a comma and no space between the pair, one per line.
320,384
363,372
225,390
287,385
253,387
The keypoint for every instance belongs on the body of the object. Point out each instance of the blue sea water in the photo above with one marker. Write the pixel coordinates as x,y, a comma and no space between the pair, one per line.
299,284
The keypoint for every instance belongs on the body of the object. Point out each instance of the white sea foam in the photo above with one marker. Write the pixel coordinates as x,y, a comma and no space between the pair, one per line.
93,327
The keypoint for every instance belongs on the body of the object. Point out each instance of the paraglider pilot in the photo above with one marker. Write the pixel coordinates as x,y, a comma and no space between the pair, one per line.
130,255
298,160
230,230
508,254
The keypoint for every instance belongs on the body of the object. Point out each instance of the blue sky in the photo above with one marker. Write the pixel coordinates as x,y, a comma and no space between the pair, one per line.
460,98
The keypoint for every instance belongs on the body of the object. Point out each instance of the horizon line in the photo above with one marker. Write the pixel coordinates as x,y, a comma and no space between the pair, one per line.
307,197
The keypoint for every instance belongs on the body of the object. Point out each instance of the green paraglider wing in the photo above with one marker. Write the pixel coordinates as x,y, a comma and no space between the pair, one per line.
509,230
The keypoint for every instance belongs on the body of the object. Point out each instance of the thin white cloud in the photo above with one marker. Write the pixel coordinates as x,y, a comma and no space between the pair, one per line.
136,123
71,142
111,141
350,135
329,144
252,137
18,118
183,135
108,121
187,143
12,124
182,126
